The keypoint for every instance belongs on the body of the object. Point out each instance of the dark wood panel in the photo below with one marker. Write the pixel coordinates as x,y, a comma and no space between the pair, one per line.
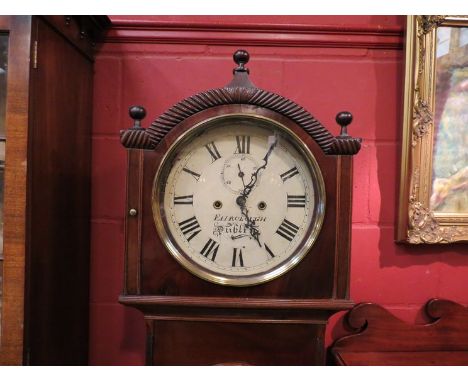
59,202
344,200
133,222
215,343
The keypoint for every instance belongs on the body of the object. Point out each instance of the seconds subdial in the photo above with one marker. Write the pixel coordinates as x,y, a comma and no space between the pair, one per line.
237,171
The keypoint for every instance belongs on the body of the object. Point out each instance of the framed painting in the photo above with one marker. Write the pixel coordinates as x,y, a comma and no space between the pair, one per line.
433,202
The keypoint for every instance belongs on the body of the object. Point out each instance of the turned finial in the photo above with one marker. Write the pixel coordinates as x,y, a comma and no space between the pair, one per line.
137,113
343,119
241,57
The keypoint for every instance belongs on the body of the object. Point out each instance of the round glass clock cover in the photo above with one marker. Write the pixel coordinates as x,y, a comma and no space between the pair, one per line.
238,200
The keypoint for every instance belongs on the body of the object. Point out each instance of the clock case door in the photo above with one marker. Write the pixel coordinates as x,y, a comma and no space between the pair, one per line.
222,324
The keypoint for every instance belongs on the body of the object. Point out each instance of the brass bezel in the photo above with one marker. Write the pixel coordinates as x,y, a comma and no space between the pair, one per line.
230,280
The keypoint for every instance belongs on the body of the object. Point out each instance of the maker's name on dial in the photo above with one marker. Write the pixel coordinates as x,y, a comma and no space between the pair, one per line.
231,218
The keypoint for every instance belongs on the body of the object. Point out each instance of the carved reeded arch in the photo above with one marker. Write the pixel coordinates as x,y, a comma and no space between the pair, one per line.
239,91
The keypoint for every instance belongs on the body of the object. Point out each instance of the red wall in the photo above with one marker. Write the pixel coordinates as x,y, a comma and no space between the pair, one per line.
326,64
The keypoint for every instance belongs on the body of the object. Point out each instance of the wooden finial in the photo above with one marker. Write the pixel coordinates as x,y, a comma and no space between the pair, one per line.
343,119
241,57
137,113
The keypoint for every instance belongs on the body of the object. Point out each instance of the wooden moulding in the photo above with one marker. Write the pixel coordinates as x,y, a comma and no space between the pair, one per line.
266,34
249,303
242,310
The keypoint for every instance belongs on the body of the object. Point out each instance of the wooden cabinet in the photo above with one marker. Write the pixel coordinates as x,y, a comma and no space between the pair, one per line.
48,116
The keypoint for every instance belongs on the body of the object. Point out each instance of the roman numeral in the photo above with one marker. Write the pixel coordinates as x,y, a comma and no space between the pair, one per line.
287,230
193,173
213,151
269,251
289,174
237,259
186,199
295,201
190,227
243,144
210,249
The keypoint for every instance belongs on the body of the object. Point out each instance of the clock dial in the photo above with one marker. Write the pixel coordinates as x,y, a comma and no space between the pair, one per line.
238,200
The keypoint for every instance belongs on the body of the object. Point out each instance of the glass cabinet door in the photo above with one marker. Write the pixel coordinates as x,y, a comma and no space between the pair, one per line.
3,88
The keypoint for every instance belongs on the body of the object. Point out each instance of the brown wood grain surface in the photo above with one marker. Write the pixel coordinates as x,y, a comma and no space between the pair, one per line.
17,122
47,195
383,339
59,201
214,343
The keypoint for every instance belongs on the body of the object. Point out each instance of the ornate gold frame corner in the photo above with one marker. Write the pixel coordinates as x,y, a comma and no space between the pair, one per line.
416,222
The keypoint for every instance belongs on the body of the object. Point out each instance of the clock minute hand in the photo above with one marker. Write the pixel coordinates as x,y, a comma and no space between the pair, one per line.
242,199
273,140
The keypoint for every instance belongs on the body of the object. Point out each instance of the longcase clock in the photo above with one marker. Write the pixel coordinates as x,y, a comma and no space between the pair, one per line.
238,227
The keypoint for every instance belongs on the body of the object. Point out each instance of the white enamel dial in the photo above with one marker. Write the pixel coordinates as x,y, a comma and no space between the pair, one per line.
239,201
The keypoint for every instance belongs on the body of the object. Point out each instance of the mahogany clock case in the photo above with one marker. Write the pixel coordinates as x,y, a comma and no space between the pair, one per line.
312,278
191,321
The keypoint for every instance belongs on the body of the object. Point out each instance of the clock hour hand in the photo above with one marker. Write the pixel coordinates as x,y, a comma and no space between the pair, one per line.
250,225
241,174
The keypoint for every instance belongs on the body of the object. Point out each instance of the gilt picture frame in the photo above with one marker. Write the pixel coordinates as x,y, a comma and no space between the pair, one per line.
433,200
